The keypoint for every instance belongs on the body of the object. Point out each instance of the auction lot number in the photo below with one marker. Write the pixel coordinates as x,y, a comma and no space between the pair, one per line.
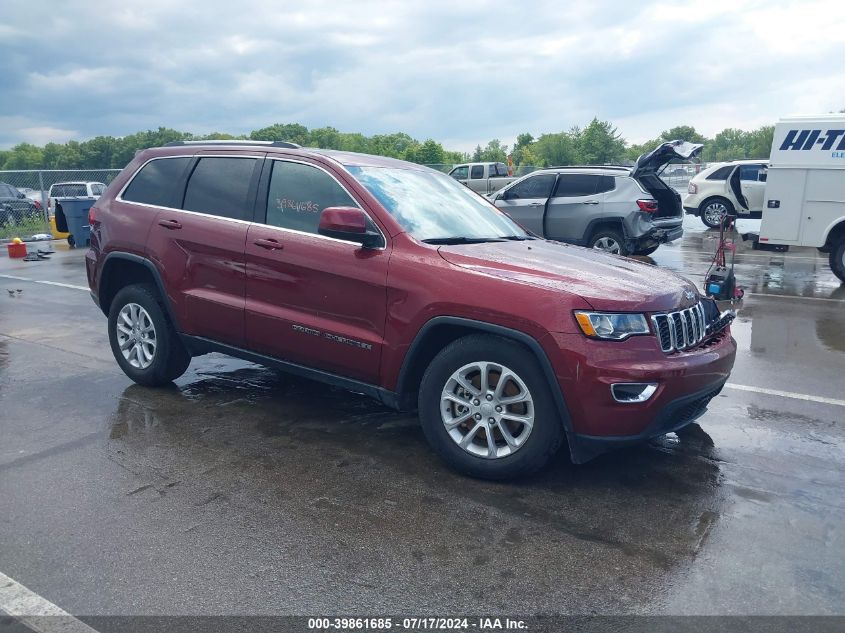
413,624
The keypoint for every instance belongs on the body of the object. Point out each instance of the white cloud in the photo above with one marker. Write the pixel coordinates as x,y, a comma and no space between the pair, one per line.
462,73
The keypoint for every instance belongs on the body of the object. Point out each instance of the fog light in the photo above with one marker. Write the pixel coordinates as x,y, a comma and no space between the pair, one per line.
631,392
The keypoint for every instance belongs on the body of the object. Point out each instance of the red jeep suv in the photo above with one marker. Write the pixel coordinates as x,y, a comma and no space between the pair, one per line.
394,280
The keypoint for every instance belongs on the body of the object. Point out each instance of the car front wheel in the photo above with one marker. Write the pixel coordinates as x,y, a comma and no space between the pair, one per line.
143,340
487,410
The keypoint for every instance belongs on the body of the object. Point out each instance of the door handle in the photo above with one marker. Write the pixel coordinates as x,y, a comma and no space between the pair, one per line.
536,204
591,202
170,224
270,244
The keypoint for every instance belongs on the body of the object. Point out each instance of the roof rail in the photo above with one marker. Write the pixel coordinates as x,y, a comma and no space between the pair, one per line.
284,144
589,167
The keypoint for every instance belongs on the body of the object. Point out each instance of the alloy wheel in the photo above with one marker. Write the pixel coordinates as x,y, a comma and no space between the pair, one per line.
715,212
608,244
487,410
136,335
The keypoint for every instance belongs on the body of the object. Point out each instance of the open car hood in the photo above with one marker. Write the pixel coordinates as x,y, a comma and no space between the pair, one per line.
655,159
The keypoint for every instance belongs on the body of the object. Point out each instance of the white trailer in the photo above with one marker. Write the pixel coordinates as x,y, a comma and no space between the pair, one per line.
804,202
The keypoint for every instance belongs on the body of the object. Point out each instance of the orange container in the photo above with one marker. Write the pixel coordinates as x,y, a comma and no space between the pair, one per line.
16,250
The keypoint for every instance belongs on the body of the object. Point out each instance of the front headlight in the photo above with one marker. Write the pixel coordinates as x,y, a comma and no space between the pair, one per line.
614,327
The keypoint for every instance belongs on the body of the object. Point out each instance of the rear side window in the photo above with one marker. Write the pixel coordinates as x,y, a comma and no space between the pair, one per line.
605,184
460,173
7,191
298,193
722,173
154,183
477,172
572,185
220,186
97,189
539,186
69,191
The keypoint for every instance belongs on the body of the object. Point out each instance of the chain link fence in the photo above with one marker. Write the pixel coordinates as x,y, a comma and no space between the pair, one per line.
26,205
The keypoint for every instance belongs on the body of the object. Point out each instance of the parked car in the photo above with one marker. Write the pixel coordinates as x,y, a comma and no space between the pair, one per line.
734,188
71,189
393,280
15,207
482,178
621,210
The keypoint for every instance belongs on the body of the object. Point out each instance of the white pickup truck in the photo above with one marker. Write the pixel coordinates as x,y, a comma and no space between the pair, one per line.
482,178
804,202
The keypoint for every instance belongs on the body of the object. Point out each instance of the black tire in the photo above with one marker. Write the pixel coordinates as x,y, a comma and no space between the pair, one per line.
729,210
837,260
609,234
71,241
646,251
546,435
170,359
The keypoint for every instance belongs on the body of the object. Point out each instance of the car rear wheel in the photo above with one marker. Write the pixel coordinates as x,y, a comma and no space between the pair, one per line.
487,410
714,211
609,241
837,260
143,340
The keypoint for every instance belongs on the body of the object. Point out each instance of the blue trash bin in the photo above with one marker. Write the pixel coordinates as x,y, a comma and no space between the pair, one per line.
75,211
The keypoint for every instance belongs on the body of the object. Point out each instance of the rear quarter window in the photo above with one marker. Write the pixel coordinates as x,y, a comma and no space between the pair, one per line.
155,182
722,173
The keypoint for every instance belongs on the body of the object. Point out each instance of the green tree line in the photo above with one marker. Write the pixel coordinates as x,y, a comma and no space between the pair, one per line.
598,142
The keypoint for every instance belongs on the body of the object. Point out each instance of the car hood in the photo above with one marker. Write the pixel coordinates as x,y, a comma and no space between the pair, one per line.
606,282
650,162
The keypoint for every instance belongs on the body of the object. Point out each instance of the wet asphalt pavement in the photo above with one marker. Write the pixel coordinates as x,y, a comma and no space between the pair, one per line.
245,491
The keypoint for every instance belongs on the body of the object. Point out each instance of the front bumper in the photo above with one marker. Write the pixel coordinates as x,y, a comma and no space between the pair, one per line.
673,417
686,381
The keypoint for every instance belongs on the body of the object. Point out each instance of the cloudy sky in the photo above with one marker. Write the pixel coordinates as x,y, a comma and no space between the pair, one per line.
459,72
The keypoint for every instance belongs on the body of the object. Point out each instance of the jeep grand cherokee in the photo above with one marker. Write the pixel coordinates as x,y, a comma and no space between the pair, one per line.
394,280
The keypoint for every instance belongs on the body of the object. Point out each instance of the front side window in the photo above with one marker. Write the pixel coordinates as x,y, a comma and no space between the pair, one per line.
220,186
477,172
539,186
155,182
460,173
749,172
298,193
430,206
573,185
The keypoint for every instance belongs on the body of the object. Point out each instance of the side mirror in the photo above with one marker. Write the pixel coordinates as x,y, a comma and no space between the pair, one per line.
350,224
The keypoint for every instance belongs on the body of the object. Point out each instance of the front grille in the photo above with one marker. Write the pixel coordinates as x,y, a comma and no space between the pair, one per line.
682,329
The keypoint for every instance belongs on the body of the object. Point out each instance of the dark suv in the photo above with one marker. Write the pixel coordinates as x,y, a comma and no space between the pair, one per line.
15,207
394,280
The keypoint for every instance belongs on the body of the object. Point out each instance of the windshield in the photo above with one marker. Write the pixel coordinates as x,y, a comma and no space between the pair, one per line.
433,206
